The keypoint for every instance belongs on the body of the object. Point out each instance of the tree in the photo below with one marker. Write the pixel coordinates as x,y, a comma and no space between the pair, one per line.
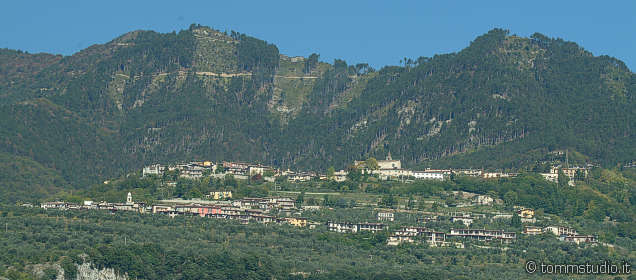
325,200
594,212
50,273
563,179
341,203
311,201
256,179
195,193
579,175
207,172
311,63
515,221
510,199
372,164
388,200
354,175
436,206
300,199
171,175
411,203
70,270
450,201
230,181
352,203
219,169
421,205
268,173
330,172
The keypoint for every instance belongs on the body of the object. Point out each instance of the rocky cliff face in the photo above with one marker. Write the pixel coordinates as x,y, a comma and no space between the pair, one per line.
86,271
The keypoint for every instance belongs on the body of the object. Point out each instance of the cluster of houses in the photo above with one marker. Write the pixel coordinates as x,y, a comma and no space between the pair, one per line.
243,210
436,238
571,172
390,168
198,169
564,233
411,234
248,210
385,169
240,214
466,218
130,205
240,170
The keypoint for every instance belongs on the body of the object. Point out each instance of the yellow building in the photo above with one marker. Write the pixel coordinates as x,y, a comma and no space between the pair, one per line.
299,222
526,213
221,195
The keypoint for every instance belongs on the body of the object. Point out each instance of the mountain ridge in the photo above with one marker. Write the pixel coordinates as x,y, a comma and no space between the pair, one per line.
145,97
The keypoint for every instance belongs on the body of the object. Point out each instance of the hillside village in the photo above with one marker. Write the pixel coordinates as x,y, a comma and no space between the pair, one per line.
388,169
261,210
208,154
285,210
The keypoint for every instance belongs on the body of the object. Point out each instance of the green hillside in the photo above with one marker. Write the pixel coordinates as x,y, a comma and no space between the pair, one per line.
146,97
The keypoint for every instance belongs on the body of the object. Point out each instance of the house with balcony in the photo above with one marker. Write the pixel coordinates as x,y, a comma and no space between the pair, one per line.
386,216
483,234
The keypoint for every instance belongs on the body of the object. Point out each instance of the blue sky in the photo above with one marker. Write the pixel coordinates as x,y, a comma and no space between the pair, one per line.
377,32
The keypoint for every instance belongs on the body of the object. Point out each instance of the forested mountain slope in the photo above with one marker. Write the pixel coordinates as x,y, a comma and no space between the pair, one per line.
147,97
492,104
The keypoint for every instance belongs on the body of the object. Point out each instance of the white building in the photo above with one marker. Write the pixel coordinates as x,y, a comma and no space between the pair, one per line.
428,175
483,200
340,176
129,199
578,239
393,173
558,230
494,175
395,240
467,221
386,216
551,177
54,204
257,169
155,169
354,227
570,172
483,234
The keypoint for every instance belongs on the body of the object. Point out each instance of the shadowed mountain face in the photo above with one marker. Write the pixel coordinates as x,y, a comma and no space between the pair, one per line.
146,97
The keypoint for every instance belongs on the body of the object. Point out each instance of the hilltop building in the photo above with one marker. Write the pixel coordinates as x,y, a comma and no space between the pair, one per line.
389,163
